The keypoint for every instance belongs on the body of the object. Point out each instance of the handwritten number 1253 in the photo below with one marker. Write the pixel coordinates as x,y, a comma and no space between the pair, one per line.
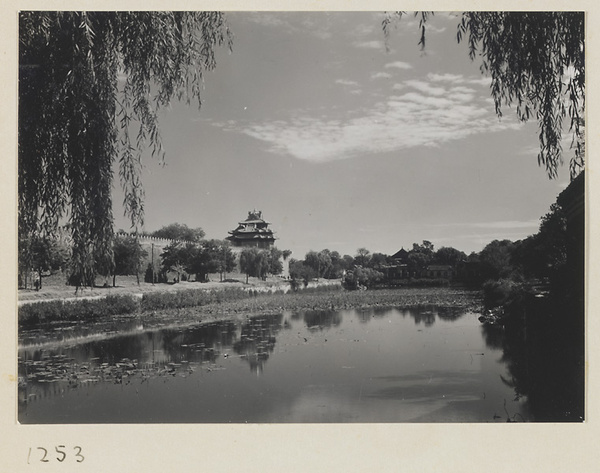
59,454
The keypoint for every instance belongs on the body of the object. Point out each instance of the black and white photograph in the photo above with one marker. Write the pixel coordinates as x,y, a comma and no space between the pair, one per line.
285,219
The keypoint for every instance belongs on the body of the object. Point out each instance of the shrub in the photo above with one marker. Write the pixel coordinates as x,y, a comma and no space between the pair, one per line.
323,288
501,292
83,309
189,298
360,277
426,282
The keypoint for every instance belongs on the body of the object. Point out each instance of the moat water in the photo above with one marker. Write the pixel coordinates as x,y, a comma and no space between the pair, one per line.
393,365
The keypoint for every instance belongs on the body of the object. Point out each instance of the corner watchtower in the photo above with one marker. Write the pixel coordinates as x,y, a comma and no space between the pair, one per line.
254,232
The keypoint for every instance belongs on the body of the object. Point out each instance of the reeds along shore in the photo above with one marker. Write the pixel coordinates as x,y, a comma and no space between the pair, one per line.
192,303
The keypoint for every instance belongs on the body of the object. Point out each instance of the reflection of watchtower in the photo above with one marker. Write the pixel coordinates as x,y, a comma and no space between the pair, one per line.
254,232
257,340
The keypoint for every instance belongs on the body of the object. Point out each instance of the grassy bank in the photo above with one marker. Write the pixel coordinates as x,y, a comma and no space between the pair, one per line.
111,305
195,304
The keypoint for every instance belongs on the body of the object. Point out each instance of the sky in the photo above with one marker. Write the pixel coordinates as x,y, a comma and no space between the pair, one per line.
346,142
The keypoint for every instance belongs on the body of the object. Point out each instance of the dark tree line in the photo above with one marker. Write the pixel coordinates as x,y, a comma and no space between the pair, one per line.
538,258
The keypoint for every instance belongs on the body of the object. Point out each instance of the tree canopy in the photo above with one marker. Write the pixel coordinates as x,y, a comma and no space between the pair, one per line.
91,85
179,231
128,256
536,61
41,254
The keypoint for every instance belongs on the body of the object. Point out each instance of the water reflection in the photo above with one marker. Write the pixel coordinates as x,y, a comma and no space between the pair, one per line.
257,340
322,319
375,365
543,350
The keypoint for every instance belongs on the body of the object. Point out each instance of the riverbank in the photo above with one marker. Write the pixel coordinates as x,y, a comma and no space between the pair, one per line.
186,308
330,299
54,287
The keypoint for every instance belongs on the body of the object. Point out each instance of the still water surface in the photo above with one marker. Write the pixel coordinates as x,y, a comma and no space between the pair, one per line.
393,365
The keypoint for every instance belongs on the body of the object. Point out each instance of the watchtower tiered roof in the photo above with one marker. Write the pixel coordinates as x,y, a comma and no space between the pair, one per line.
252,232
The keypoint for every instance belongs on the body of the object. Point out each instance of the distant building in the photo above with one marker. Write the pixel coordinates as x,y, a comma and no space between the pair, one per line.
254,232
437,271
398,268
401,256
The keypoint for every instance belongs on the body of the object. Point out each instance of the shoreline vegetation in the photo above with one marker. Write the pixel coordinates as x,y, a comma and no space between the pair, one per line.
196,304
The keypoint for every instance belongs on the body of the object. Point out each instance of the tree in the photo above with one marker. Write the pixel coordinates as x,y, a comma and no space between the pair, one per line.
178,258
226,260
311,259
210,256
536,61
300,271
86,79
348,261
319,262
254,263
275,266
362,257
361,278
420,257
200,260
496,260
544,255
128,254
449,255
41,254
378,260
338,265
178,231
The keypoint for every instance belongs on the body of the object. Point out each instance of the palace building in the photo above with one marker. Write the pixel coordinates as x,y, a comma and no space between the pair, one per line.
254,232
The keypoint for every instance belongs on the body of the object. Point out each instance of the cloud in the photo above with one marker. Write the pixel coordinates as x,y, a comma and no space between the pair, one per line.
381,75
434,29
365,29
481,233
459,79
351,86
411,23
375,44
420,99
452,78
460,96
425,87
495,225
346,82
267,19
429,113
398,65
293,22
485,81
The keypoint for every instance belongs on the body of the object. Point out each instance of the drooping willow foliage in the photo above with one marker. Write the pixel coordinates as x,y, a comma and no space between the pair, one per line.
91,85
536,61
